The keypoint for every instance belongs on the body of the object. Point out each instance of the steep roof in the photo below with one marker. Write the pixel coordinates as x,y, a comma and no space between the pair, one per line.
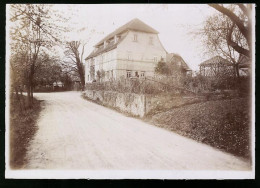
134,24
172,56
216,60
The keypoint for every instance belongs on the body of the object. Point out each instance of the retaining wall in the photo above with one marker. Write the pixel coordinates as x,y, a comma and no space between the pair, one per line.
137,104
127,102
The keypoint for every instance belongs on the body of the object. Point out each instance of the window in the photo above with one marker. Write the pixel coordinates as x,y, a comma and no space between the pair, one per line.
128,74
155,59
129,55
88,77
142,74
135,37
151,40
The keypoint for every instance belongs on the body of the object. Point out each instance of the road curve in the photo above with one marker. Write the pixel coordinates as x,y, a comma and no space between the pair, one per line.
77,134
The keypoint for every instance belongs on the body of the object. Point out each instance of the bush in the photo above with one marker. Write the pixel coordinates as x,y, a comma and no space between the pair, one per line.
140,86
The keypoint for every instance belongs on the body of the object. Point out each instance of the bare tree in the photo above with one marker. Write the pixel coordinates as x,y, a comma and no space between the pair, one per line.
241,18
75,63
215,33
33,30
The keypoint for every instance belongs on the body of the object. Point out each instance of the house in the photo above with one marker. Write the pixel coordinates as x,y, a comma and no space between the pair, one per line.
132,50
57,84
178,62
216,66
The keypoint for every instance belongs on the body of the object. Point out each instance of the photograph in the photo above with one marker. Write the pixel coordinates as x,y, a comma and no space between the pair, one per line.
130,91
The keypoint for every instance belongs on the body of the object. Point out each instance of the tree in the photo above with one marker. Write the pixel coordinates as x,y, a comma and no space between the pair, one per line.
76,59
33,30
216,31
241,18
162,68
47,70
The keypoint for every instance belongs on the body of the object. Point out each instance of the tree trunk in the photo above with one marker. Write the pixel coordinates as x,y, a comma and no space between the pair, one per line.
18,99
29,92
82,76
237,71
28,97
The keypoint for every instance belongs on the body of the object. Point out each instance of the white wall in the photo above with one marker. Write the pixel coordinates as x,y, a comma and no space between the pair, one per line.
140,56
105,61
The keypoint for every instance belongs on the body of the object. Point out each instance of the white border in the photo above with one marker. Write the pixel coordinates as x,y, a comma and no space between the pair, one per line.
127,174
123,174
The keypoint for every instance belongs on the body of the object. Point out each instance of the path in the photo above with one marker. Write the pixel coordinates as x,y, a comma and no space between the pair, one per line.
78,134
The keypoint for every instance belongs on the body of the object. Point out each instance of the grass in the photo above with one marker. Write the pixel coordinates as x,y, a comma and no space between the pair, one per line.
22,129
223,124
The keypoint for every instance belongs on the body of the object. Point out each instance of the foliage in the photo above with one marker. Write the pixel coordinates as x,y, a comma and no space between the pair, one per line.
162,68
47,70
201,84
141,86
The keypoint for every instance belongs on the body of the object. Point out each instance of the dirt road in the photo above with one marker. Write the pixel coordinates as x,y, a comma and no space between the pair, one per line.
77,134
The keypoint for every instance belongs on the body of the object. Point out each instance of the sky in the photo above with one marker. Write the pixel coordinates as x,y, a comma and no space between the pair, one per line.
174,23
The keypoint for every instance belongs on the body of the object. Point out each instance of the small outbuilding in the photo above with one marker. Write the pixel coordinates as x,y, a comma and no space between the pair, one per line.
177,60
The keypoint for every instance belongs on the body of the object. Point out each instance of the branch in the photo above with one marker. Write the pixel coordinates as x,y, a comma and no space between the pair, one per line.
244,9
82,52
235,19
234,45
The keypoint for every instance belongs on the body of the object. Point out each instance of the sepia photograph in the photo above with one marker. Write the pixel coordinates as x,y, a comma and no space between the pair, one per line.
130,91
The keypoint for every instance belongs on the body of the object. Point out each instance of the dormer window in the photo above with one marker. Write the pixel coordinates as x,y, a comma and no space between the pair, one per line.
135,38
151,40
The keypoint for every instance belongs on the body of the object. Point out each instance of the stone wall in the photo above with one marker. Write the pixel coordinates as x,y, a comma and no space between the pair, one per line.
127,102
139,104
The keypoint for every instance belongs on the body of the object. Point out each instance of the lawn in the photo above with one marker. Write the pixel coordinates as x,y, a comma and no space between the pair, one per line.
223,124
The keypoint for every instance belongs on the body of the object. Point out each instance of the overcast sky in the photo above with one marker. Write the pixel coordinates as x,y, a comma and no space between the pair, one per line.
173,22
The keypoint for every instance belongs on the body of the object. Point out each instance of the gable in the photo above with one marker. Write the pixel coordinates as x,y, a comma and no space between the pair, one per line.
134,24
142,43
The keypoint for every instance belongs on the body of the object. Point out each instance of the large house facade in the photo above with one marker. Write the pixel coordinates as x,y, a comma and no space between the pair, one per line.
132,50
